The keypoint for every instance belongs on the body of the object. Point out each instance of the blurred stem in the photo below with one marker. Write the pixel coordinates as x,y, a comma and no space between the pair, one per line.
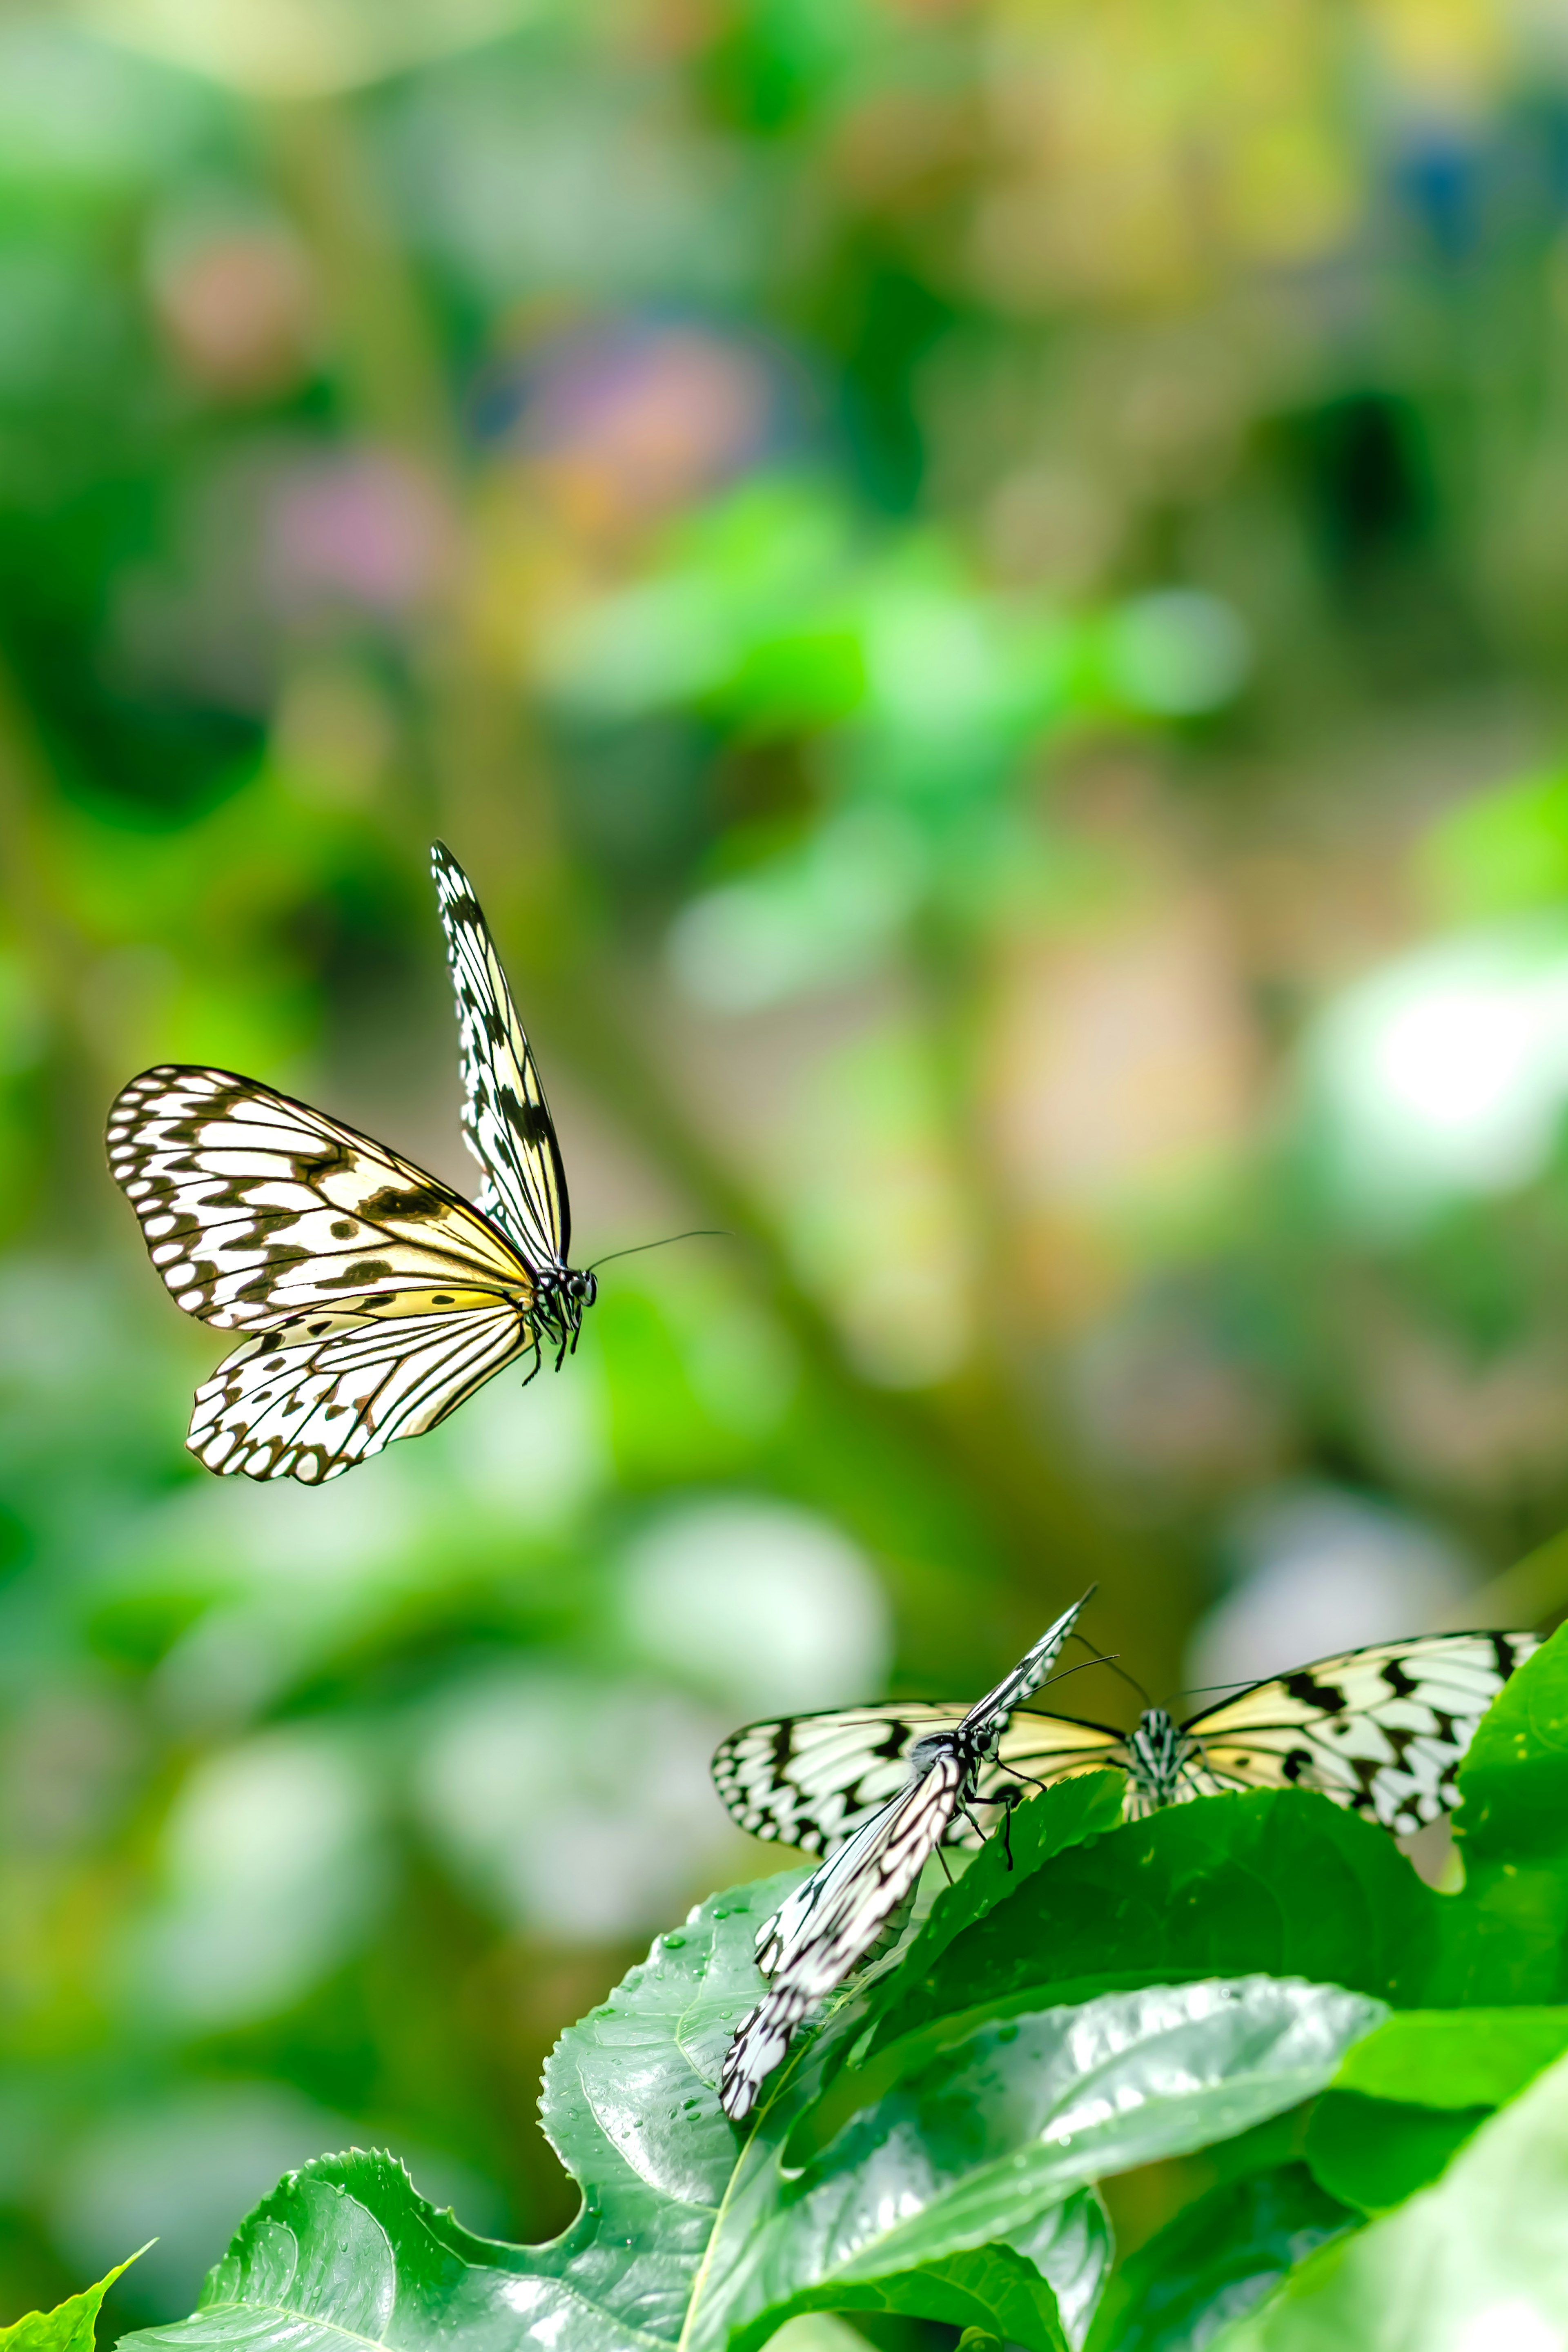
492,797
489,793
57,954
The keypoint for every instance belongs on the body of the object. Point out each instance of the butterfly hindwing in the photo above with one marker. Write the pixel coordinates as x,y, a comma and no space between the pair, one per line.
810,1781
315,1397
256,1209
1381,1731
505,1115
1034,1752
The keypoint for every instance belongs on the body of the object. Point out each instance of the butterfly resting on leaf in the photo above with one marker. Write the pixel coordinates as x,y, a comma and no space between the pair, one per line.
900,1799
1380,1731
378,1298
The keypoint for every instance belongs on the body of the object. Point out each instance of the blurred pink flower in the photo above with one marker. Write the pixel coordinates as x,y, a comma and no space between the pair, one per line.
365,528
656,414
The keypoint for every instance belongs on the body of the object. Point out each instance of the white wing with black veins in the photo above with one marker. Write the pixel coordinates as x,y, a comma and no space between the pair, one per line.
505,1115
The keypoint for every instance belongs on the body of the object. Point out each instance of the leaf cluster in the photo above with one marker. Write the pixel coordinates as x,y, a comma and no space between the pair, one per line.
1375,2071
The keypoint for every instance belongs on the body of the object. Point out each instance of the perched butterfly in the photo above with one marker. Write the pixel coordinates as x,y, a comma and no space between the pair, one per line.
1381,1732
379,1298
933,1765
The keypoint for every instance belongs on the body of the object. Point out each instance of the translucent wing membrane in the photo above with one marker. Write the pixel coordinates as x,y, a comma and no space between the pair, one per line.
311,1398
505,1115
256,1209
1381,1731
811,1780
378,1298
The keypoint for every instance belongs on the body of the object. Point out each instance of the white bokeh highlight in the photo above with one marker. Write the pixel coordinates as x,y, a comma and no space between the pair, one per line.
770,1607
1322,1569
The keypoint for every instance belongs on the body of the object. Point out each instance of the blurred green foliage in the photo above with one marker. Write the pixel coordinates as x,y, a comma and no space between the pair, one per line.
983,593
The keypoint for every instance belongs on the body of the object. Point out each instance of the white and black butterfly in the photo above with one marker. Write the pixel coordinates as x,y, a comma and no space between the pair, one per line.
827,1925
1381,1732
379,1297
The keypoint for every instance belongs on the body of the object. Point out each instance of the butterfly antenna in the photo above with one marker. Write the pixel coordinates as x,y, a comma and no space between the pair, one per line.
1130,1680
1100,1658
697,1233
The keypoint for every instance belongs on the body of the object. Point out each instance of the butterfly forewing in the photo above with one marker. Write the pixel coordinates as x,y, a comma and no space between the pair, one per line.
505,1115
256,1209
314,1398
1381,1731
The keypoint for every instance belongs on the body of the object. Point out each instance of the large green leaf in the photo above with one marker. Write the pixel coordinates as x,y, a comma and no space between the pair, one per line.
1506,1935
1413,2092
1477,2263
1220,2255
957,2194
1375,2153
1455,2058
69,2326
987,2133
1278,1881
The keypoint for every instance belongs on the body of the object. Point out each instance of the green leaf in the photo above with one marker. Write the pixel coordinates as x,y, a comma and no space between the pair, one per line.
956,2195
1505,1936
1048,1826
1455,2058
1219,2256
1416,2090
979,2139
1477,2263
1276,1881
69,2326
1375,2153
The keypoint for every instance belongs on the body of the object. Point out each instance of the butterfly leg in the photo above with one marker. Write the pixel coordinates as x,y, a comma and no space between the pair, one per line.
534,1373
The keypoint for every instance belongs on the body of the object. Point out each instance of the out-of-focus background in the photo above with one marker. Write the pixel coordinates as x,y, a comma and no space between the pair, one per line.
982,589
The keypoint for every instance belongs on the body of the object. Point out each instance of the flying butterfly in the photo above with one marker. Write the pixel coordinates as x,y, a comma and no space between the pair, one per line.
377,1298
946,1760
1380,1731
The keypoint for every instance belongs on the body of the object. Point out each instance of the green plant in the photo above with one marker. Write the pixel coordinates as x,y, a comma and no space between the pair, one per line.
1377,2071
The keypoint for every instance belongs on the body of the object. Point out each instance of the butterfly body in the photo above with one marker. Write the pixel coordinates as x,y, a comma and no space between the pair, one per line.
1157,1755
835,1919
375,1297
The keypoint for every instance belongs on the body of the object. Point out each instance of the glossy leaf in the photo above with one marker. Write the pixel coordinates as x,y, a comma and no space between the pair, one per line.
1455,2058
959,2194
1221,2255
1477,2261
1506,1935
977,2140
1375,2153
1277,1881
69,2326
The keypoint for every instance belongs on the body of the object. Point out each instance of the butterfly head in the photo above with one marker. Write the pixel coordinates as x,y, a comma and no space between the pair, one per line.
562,1296
1157,1751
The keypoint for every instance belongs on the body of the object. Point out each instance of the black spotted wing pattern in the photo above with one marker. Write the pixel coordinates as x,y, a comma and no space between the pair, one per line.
832,1921
811,1780
1381,1731
505,1115
256,1207
314,1398
377,1296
